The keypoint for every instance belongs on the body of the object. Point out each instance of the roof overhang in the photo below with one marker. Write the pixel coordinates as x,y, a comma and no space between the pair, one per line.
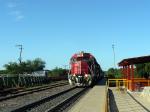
135,60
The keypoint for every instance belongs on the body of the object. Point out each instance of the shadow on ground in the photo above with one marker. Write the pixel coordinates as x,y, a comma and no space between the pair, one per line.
102,82
112,102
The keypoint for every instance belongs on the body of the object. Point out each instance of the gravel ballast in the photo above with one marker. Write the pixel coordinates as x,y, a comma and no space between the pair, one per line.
11,104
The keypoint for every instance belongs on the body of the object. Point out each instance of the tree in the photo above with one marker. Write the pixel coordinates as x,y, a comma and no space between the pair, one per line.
114,73
111,73
58,72
3,72
28,66
38,64
143,70
12,67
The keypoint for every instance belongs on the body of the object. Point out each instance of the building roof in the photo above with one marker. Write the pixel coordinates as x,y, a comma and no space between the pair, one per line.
135,60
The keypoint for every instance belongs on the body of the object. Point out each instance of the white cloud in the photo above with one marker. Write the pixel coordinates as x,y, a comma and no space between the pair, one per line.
17,14
19,17
11,5
15,11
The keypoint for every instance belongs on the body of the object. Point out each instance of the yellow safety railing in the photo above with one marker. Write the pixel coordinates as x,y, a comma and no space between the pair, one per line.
126,84
117,81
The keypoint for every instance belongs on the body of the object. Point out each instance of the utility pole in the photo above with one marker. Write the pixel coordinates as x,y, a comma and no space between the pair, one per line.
20,54
113,47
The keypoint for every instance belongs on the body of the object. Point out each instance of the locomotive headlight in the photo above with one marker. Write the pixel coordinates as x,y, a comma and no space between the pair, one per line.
86,75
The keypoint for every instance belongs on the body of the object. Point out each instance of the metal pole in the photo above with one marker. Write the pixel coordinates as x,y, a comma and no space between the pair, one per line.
113,47
20,55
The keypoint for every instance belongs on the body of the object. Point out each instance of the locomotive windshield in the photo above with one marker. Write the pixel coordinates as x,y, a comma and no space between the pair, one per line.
79,59
82,59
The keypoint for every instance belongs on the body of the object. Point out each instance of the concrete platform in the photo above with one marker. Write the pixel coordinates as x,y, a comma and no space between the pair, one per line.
94,100
120,101
143,100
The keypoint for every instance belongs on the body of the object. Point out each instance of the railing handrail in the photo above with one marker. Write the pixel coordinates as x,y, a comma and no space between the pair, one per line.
127,83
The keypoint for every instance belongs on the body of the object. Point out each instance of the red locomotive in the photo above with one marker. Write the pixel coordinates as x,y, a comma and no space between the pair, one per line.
84,70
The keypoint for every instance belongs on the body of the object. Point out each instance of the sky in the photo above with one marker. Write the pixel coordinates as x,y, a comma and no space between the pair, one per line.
54,30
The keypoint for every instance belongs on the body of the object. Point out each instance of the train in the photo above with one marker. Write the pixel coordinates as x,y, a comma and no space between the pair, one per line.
84,70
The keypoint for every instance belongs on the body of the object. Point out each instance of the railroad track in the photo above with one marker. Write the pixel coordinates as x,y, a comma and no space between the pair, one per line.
54,103
32,90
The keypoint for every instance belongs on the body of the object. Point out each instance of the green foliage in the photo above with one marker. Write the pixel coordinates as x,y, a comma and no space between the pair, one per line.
114,73
28,66
143,70
111,73
3,72
56,72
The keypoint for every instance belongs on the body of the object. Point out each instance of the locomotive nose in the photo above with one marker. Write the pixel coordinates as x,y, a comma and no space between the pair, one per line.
79,67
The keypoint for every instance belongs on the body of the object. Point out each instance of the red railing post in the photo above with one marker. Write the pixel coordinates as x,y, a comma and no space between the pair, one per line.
132,69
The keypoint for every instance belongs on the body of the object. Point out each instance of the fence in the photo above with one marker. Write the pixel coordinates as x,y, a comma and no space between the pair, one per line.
9,81
135,84
117,83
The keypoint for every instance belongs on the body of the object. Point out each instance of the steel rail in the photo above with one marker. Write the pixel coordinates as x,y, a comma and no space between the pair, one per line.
27,107
32,90
66,101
